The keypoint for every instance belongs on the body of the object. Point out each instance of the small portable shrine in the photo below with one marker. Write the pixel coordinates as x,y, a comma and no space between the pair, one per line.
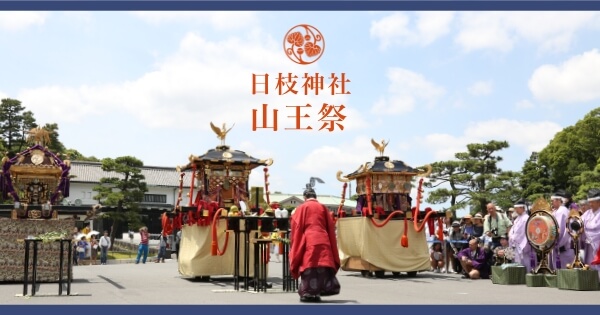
219,188
384,208
36,180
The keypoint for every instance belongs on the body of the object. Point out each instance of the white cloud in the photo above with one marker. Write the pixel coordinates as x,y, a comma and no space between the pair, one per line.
524,104
219,20
407,89
481,88
396,29
575,80
202,81
525,135
17,20
552,31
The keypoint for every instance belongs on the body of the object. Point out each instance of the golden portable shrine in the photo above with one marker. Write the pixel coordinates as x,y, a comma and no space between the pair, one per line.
376,237
35,179
222,206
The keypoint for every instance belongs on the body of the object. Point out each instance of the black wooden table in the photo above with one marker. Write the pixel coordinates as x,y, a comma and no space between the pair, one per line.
34,242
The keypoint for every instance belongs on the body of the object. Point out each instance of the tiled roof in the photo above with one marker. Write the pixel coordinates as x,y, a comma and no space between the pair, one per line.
91,172
324,199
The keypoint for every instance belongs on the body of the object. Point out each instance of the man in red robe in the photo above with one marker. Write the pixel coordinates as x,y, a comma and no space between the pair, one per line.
314,255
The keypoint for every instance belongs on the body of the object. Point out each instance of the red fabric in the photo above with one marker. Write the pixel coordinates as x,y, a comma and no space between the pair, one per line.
313,240
190,219
167,227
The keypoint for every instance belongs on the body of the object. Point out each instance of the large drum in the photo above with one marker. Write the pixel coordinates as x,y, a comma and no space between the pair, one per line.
542,230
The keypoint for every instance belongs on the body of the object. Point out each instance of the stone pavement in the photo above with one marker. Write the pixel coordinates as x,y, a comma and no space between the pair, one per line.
160,283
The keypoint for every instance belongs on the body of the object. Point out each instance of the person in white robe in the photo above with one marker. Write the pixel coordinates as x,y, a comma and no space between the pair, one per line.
563,253
517,238
590,238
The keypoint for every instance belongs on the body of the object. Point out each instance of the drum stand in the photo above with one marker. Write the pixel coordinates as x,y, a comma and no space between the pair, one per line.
543,267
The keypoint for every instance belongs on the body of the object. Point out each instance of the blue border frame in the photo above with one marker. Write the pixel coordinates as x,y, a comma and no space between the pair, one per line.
295,5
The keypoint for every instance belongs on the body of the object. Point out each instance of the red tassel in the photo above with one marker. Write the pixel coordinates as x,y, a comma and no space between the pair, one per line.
440,231
213,248
404,239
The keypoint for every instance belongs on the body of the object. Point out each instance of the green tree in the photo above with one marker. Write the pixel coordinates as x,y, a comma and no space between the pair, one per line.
55,145
75,155
586,181
14,124
453,175
473,179
572,151
124,191
535,180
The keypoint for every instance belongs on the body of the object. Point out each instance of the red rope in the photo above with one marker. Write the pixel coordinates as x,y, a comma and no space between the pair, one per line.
215,246
393,214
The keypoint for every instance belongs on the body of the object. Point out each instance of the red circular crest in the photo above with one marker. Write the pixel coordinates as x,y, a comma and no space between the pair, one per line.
304,44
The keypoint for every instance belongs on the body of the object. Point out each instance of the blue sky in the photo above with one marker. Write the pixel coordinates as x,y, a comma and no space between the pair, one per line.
148,84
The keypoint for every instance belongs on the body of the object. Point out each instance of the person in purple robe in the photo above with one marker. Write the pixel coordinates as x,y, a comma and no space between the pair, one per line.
517,237
590,238
563,253
474,261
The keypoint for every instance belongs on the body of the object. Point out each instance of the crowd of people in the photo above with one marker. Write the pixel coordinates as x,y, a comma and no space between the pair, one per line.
476,243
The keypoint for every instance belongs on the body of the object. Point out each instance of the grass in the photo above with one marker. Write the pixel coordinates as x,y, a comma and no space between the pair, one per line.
120,255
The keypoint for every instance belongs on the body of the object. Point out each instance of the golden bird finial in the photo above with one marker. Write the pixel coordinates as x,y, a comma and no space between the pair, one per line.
380,147
221,132
39,136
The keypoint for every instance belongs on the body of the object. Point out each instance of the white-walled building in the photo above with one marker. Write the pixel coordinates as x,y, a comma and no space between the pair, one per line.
162,183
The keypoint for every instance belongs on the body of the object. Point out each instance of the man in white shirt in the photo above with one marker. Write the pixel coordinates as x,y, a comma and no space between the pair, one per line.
104,246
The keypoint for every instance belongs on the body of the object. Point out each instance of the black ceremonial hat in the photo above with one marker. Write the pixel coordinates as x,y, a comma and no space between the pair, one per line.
593,194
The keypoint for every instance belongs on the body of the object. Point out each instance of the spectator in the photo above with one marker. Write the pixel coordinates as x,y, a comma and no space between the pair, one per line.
495,224
511,214
143,247
500,252
93,249
474,261
455,243
81,248
467,226
104,246
75,253
162,248
437,256
478,225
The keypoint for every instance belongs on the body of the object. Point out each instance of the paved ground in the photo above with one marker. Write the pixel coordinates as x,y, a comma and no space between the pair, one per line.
154,283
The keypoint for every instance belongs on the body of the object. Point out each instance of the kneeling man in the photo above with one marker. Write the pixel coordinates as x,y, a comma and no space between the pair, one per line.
474,261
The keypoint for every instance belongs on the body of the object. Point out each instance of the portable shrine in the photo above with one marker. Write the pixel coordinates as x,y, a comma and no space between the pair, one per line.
377,236
220,197
34,181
